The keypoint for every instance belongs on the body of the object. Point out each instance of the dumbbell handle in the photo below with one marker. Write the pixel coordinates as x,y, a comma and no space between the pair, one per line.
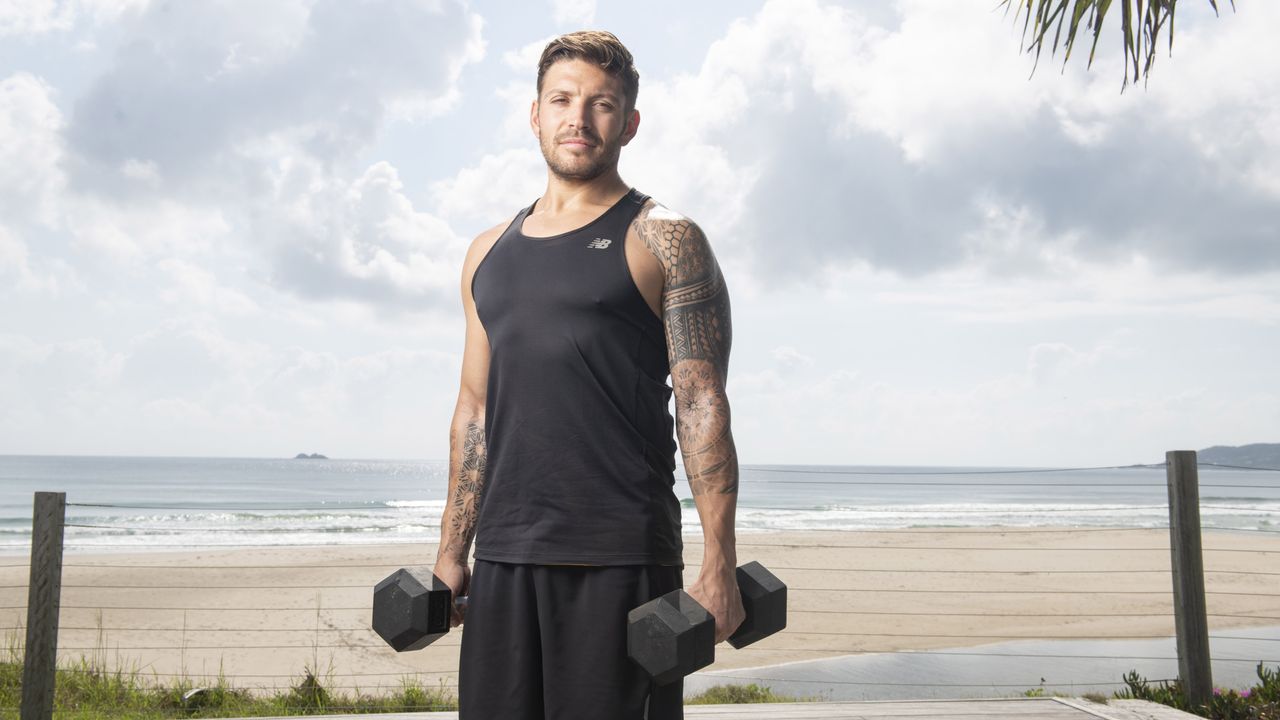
460,601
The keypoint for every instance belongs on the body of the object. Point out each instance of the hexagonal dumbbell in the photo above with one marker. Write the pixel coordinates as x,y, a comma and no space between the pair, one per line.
672,636
408,613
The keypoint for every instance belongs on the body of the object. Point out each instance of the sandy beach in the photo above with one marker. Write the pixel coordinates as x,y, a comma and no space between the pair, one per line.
259,616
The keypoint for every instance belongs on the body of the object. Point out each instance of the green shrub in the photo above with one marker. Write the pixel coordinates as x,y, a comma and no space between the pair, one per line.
739,694
1166,692
1260,702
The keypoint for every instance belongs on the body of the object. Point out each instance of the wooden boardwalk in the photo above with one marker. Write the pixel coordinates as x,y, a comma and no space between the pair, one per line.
1023,708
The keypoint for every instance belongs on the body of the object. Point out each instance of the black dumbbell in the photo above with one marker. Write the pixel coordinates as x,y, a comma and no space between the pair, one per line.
672,636
408,614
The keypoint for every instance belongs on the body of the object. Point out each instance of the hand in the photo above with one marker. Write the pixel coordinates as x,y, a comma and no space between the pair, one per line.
718,593
457,575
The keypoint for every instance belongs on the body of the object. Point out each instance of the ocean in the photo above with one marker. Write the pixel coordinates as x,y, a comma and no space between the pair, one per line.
139,503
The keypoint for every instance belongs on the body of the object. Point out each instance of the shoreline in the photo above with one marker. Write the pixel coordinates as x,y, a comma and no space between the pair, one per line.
261,615
692,538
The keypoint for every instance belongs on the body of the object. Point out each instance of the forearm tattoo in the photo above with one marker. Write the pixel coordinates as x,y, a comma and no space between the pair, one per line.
468,489
695,309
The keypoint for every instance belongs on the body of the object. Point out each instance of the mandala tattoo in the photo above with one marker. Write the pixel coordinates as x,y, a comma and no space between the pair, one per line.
468,490
695,310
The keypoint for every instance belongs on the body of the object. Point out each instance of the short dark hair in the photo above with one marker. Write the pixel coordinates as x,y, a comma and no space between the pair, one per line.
596,46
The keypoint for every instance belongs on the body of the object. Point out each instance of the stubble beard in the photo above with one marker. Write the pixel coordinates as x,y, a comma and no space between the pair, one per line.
584,168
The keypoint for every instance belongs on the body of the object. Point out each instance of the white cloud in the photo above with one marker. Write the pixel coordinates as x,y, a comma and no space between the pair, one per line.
1072,289
15,268
22,273
524,59
83,396
30,17
219,134
191,286
145,229
45,384
1224,91
365,240
30,150
932,258
36,17
914,147
791,359
196,86
576,13
492,189
844,416
1049,362
923,146
144,170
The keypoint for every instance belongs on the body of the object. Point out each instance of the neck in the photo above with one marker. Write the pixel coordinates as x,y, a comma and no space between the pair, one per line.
563,193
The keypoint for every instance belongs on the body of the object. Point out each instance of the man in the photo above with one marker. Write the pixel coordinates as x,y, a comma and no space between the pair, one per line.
561,447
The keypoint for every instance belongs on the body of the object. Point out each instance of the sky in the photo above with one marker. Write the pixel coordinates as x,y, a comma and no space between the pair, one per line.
237,228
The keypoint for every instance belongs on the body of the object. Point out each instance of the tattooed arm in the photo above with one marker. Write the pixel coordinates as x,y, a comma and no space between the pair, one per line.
695,312
467,447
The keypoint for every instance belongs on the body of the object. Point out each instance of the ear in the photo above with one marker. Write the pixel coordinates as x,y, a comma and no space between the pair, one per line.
533,120
633,125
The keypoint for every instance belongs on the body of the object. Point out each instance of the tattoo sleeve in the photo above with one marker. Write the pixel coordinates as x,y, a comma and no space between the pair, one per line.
466,488
695,309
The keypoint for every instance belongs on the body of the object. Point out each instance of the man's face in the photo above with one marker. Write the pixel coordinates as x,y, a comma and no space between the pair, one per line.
581,120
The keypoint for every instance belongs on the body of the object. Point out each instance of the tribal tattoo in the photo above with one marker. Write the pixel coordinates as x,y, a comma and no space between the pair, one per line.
468,489
695,309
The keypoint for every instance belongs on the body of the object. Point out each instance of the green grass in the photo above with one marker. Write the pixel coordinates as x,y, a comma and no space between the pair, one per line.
737,694
86,691
82,696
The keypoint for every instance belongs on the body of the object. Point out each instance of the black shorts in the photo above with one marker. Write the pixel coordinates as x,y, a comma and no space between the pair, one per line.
549,642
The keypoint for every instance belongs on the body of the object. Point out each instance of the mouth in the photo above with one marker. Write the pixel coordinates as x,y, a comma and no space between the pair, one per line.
577,142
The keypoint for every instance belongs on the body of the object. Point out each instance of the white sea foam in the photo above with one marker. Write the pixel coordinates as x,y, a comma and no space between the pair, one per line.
160,503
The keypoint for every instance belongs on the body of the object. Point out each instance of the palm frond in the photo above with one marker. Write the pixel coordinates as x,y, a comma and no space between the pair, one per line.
1141,22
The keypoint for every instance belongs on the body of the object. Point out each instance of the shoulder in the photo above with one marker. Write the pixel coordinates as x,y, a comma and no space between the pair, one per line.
485,240
477,251
480,246
675,239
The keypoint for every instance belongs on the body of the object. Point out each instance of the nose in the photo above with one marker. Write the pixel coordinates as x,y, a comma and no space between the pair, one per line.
578,116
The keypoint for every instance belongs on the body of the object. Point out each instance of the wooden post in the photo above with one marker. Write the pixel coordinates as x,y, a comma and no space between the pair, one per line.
41,661
1190,612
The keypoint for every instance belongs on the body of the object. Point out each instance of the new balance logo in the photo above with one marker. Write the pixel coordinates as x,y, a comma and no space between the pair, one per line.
599,243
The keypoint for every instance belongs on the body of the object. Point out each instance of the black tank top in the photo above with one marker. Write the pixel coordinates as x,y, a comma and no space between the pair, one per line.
580,451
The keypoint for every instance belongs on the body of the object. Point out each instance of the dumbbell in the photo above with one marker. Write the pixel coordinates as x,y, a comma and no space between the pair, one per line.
672,636
408,614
